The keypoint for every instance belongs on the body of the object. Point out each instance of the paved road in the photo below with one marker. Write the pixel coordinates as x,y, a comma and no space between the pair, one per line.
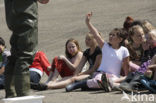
62,19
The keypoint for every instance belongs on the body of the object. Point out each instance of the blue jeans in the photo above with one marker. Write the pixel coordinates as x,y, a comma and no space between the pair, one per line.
153,83
34,77
2,81
148,84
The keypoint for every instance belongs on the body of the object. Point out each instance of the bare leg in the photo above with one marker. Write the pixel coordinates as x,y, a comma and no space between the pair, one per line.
120,79
81,77
53,76
117,82
60,84
65,81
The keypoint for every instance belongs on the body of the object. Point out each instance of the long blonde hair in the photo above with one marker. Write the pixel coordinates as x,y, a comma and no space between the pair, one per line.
152,33
147,26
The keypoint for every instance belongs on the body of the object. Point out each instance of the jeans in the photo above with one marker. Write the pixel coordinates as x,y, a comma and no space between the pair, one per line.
2,81
34,77
148,84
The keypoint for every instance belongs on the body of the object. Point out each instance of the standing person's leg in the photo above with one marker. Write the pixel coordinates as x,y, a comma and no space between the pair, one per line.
9,78
2,81
23,23
27,20
9,70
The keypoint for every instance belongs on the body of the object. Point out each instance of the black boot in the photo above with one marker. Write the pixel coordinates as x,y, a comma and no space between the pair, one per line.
1,87
38,86
76,85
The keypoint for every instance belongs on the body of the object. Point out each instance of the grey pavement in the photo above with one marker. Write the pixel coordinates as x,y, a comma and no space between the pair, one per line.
62,19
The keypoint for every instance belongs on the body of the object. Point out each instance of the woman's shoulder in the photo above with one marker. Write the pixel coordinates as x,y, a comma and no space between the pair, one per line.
106,45
87,50
77,57
98,50
123,48
79,54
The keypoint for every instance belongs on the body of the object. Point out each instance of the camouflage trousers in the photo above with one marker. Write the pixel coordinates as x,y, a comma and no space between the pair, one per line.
22,20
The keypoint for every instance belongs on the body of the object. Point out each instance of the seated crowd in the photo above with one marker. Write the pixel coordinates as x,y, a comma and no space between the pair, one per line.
127,62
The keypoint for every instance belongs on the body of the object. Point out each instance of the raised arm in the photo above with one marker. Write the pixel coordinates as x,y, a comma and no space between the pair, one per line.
93,30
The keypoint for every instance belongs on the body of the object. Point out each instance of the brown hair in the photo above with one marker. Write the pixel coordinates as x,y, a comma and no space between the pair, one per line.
133,52
121,33
128,22
68,55
133,30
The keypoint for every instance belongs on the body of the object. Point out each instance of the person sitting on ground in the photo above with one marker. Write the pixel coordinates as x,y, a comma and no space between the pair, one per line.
39,66
137,46
63,66
128,23
132,82
4,53
92,55
151,66
114,56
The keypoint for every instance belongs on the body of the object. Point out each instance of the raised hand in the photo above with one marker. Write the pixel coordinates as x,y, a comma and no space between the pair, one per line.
88,17
43,1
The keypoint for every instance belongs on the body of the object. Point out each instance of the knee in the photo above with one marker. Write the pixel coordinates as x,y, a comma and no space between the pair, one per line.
73,79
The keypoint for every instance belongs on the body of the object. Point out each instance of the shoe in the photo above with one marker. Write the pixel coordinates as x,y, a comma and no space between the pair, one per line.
76,85
116,88
125,87
38,86
69,87
104,83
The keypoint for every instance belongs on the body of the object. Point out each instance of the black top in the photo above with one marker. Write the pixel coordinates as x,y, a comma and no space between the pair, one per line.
92,57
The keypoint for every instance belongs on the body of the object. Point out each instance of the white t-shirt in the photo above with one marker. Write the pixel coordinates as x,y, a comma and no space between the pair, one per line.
112,59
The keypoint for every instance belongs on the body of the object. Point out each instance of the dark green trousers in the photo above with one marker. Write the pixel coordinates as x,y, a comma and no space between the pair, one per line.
22,20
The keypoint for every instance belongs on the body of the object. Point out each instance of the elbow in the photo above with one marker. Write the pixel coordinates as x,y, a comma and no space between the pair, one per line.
73,68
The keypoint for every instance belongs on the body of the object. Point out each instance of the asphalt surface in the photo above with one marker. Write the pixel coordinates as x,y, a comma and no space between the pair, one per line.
60,20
